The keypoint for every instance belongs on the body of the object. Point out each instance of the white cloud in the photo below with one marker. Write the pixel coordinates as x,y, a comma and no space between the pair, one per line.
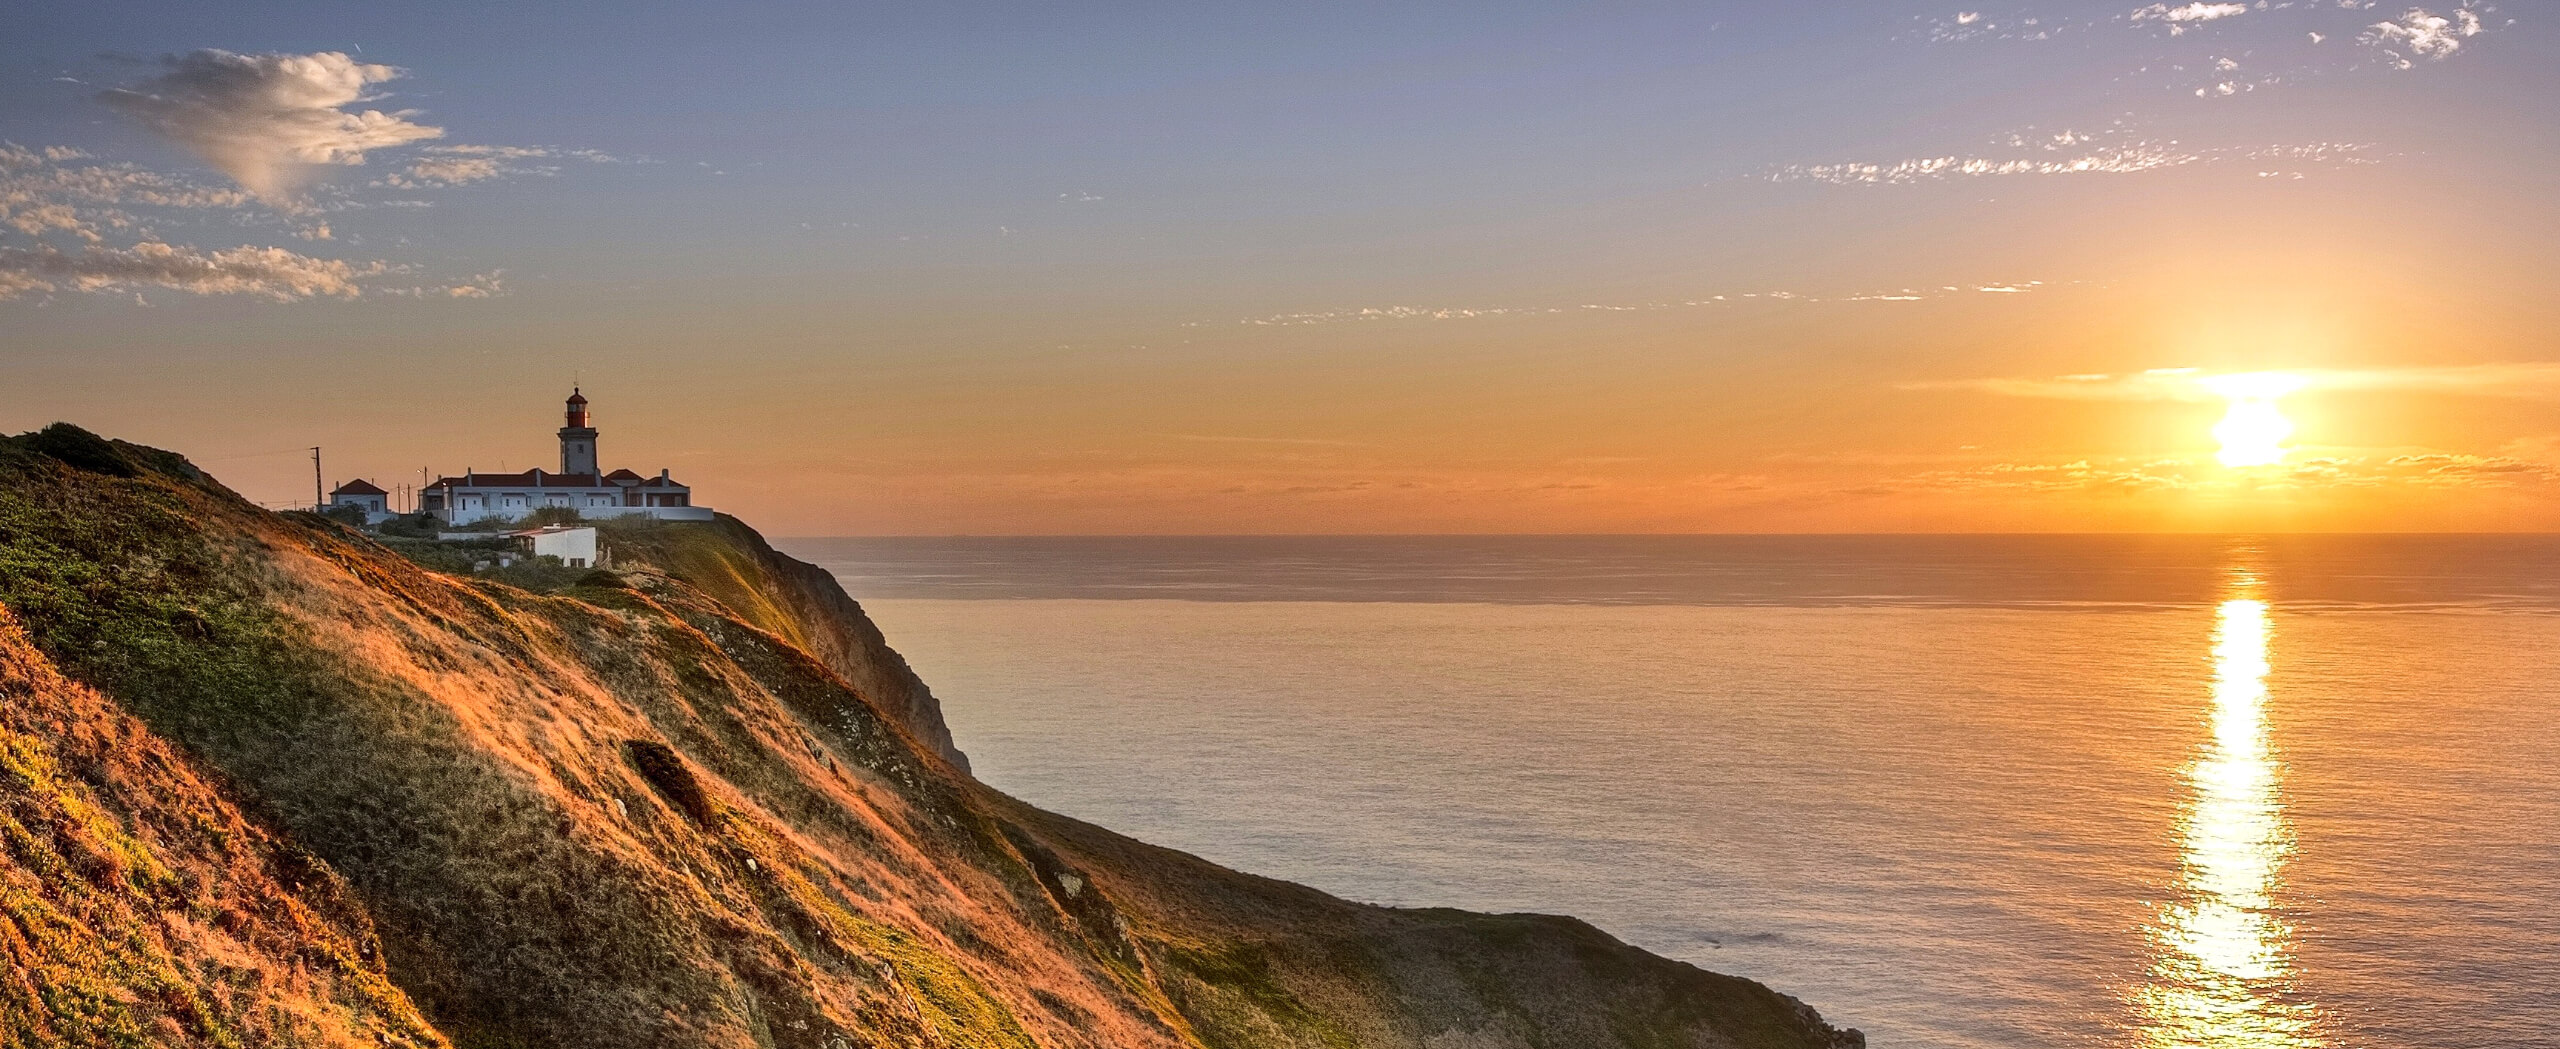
2422,34
102,227
40,193
1967,26
27,174
269,120
2122,160
270,273
2181,16
480,286
71,223
2274,32
450,171
49,198
1926,169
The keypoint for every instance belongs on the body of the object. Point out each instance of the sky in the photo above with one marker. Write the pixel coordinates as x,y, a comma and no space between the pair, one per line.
1052,268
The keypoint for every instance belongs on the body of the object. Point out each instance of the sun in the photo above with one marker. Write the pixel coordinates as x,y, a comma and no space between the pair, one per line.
2254,430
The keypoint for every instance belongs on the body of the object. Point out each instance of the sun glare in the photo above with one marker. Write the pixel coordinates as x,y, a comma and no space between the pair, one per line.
2254,430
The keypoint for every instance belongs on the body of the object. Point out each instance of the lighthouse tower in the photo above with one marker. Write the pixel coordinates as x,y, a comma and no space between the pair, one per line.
578,440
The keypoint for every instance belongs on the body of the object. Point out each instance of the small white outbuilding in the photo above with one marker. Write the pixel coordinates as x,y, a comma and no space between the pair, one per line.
574,546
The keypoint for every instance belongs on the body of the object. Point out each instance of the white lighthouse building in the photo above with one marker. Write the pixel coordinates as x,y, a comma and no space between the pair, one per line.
577,439
476,496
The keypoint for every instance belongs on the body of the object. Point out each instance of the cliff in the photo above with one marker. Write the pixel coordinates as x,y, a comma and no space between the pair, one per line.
796,600
263,781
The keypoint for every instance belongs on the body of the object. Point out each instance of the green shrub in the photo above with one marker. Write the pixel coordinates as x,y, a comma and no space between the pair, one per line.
81,449
412,526
552,515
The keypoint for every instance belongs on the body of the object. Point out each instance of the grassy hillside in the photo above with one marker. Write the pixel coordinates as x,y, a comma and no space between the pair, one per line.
143,909
692,802
731,564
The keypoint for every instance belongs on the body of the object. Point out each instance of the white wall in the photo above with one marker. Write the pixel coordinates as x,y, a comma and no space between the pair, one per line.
465,509
575,547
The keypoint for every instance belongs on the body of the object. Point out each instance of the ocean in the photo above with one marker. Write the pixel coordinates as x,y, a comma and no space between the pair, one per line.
1959,792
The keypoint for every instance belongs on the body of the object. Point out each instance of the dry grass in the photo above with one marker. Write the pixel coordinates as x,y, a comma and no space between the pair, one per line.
138,907
696,804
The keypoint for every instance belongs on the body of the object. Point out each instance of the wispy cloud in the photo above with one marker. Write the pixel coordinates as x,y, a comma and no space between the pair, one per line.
1357,314
1928,169
445,171
481,286
1206,438
98,227
71,222
2159,384
460,164
270,273
2077,476
1397,313
46,190
1967,26
1978,26
2201,474
2532,379
269,120
2279,40
2129,159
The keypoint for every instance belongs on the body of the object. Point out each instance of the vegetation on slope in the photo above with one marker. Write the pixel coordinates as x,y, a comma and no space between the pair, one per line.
693,802
799,601
142,909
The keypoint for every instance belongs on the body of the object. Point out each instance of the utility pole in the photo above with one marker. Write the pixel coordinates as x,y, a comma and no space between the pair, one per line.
319,501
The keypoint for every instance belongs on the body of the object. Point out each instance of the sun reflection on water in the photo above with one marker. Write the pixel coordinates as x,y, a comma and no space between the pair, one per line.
2222,959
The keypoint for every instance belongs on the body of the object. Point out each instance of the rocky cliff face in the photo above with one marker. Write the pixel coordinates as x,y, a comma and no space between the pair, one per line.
798,601
265,782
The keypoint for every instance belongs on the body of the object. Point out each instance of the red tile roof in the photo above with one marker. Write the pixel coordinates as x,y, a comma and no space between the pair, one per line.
359,486
538,478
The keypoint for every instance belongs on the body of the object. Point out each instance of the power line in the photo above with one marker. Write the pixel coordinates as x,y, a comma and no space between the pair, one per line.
250,455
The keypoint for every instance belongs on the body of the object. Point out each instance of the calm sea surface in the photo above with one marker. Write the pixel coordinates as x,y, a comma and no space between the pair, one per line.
1980,791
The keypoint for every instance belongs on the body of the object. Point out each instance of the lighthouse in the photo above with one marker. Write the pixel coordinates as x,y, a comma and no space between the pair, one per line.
579,486
578,440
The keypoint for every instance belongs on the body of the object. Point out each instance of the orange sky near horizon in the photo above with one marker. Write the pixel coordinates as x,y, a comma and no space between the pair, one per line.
1661,269
1564,422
